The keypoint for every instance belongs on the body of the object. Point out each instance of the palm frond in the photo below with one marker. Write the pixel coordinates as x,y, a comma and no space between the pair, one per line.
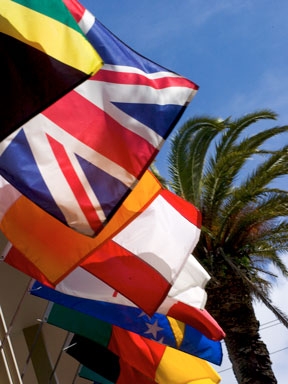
244,208
237,126
187,156
224,167
254,187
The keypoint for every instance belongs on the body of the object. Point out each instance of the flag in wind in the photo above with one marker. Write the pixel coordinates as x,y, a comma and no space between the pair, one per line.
31,230
154,360
44,55
142,261
160,328
108,368
83,292
81,157
123,373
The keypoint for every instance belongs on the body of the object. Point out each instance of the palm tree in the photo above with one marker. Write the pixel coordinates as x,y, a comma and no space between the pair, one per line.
245,226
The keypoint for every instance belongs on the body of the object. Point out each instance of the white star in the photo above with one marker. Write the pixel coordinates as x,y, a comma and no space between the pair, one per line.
144,314
153,329
161,341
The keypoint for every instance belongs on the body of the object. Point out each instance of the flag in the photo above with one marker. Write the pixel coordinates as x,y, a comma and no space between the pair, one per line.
81,283
160,328
88,374
142,261
154,360
84,293
81,157
44,55
108,368
189,286
125,373
30,229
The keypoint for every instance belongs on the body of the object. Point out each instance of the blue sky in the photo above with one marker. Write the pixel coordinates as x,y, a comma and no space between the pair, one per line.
236,51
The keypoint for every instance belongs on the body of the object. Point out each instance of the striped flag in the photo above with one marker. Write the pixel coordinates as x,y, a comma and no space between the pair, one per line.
44,55
81,157
85,293
143,260
154,360
31,230
163,329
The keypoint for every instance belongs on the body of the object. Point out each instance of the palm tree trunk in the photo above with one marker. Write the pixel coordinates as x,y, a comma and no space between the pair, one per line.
230,303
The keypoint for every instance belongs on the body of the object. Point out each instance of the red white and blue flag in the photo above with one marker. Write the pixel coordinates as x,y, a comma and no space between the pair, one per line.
80,158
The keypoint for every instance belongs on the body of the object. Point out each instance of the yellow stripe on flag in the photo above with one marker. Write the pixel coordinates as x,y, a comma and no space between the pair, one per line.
50,36
178,329
179,367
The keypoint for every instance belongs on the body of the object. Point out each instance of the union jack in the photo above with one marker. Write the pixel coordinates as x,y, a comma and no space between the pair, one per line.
80,158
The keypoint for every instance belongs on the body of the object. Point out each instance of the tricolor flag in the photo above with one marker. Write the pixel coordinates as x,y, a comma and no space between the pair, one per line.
44,55
108,368
154,360
117,370
81,157
160,328
83,292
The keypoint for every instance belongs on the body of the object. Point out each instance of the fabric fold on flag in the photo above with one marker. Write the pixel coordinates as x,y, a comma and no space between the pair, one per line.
84,293
142,261
154,360
145,258
160,328
85,285
41,44
82,175
30,230
106,366
127,374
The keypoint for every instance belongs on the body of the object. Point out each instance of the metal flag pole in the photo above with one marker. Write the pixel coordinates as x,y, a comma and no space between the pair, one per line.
76,374
7,334
59,357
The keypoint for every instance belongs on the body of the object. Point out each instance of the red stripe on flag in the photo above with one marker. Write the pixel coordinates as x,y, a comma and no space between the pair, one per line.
197,318
75,8
17,260
101,132
186,209
129,275
75,184
138,79
140,352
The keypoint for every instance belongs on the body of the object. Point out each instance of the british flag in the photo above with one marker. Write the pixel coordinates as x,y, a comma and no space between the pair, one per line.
80,158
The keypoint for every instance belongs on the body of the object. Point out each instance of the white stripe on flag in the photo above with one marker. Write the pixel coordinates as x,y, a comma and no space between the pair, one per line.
167,245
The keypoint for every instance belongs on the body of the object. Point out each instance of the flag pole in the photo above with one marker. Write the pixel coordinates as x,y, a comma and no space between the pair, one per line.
7,334
76,374
59,357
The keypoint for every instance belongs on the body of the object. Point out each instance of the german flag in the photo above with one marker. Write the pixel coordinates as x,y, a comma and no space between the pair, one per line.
44,55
